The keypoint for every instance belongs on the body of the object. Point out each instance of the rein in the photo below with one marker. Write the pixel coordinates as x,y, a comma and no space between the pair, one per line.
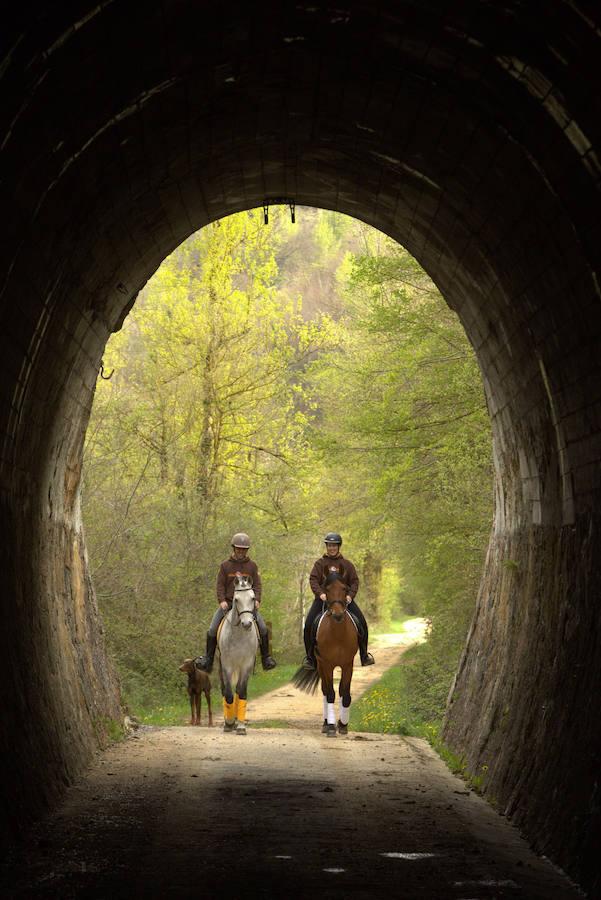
328,604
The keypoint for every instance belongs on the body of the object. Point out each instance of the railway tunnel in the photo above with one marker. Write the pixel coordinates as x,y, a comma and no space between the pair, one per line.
469,132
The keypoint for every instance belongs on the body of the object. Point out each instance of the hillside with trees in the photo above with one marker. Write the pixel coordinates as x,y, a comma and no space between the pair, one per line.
286,380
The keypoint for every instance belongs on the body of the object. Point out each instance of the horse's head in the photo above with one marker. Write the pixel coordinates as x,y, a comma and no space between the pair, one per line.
335,590
244,600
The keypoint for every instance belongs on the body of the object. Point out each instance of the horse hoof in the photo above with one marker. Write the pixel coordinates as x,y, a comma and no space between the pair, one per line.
324,727
241,729
342,729
331,731
228,727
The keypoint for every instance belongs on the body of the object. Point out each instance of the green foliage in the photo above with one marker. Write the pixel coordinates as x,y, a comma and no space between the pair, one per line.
272,723
286,381
200,432
174,708
407,425
108,730
383,709
410,697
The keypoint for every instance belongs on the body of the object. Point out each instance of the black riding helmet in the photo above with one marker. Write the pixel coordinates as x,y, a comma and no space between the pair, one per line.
332,537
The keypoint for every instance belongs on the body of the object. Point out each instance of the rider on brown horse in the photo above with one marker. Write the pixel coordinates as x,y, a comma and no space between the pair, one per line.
239,563
334,561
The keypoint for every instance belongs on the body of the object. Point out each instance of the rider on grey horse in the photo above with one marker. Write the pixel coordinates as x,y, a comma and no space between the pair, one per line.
239,563
334,561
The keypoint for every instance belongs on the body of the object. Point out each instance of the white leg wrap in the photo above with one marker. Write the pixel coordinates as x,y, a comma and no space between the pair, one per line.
331,714
345,714
325,707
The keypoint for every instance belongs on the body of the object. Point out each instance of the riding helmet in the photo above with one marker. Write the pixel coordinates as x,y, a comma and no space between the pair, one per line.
332,538
241,540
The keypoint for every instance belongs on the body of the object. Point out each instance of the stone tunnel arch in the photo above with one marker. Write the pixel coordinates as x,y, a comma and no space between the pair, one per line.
468,133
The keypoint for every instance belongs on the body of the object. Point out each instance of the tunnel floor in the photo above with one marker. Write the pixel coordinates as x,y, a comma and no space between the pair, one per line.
179,812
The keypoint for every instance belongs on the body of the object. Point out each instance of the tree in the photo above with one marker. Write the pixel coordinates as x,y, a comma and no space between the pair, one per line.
237,404
201,427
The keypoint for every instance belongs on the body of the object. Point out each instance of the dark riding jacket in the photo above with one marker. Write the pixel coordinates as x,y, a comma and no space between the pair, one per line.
326,564
228,570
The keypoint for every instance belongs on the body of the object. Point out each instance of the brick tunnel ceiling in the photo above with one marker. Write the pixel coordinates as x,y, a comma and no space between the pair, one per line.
466,131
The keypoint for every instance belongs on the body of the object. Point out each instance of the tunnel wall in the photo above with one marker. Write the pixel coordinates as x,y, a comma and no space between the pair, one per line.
60,694
465,131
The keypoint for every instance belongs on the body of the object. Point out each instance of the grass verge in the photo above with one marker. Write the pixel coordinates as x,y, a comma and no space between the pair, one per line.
385,708
176,711
271,723
409,700
395,626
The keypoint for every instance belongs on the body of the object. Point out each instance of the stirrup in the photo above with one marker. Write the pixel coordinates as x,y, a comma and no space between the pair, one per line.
367,659
309,663
204,663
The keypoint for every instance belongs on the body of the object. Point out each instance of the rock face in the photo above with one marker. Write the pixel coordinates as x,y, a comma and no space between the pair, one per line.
527,669
60,694
470,133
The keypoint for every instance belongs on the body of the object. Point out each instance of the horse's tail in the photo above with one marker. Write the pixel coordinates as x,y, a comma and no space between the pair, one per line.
306,680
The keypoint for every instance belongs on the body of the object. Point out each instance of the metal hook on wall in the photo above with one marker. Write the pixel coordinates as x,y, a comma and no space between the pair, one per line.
277,201
102,375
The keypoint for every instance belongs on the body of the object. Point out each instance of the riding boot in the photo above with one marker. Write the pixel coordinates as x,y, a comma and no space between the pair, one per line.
206,662
309,660
267,660
366,657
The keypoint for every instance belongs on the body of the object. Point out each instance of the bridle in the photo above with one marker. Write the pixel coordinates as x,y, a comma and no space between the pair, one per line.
330,603
245,612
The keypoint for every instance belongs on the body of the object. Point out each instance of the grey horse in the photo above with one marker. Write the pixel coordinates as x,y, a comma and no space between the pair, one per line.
238,642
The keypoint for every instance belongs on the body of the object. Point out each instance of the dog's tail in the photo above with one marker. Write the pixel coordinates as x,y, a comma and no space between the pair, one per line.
306,680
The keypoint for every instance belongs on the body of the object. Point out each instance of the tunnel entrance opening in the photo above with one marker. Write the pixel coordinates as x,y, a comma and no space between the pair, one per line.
469,134
287,381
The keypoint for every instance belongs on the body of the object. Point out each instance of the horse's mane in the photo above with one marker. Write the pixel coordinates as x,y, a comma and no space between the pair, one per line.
332,577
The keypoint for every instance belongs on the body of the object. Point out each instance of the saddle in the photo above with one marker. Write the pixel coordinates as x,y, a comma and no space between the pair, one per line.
318,619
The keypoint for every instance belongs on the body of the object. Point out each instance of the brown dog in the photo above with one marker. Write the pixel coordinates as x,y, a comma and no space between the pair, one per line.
198,683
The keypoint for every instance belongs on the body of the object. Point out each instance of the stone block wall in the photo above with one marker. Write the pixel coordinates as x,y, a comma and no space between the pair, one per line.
470,133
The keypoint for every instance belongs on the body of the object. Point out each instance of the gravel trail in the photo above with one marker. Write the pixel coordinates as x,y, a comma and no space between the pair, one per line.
186,812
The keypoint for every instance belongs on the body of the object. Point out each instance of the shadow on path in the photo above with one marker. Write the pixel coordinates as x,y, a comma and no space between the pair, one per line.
189,812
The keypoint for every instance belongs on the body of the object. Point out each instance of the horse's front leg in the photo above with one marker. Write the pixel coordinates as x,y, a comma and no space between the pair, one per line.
241,698
345,698
229,707
329,698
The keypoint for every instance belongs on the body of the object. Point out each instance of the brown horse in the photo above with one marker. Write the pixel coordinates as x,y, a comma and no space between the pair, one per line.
337,644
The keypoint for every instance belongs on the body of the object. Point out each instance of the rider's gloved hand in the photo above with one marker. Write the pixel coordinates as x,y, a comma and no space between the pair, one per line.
224,604
323,597
348,599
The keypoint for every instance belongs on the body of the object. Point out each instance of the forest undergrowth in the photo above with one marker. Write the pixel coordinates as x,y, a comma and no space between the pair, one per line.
287,381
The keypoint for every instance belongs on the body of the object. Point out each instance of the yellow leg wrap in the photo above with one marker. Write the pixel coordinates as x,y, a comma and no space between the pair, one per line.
229,713
236,702
241,715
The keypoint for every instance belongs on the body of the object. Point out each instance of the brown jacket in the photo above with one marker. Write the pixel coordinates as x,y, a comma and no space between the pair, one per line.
326,564
225,577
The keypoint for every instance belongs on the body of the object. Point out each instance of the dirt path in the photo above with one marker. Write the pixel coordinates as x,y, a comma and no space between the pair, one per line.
288,706
281,813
